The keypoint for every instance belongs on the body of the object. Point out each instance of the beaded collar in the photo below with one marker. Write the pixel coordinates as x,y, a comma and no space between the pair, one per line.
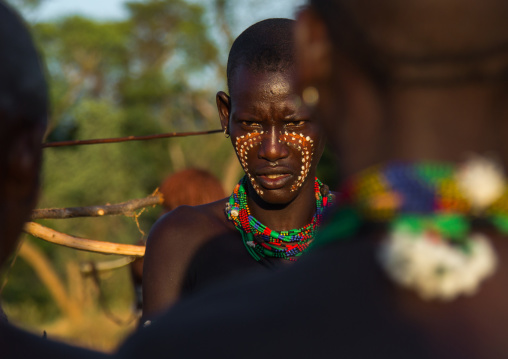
430,247
260,240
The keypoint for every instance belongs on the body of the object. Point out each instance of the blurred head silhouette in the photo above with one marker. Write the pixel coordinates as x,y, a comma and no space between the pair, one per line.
190,187
23,114
407,80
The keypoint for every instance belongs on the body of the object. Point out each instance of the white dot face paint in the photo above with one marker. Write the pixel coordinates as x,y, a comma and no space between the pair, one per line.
245,144
305,147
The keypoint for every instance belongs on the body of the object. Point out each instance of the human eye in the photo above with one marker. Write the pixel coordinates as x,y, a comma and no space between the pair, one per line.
250,124
296,123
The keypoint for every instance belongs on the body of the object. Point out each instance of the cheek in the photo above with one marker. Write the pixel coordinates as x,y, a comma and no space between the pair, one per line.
304,145
244,145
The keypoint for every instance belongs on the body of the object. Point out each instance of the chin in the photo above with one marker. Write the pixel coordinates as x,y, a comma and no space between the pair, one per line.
281,196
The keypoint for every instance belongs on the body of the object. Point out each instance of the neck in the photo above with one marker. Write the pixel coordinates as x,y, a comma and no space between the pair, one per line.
439,122
282,217
449,122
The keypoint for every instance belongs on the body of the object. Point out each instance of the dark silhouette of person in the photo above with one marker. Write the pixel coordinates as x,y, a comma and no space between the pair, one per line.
405,90
23,116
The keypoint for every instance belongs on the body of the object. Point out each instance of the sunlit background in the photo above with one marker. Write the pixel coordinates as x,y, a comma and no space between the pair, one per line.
118,68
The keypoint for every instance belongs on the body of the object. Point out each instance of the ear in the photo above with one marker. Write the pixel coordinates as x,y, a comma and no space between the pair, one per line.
224,107
313,48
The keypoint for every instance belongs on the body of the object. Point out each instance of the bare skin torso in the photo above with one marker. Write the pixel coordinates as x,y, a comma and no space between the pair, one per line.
189,248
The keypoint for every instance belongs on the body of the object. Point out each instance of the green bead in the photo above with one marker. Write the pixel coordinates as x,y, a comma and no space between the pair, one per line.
453,226
411,223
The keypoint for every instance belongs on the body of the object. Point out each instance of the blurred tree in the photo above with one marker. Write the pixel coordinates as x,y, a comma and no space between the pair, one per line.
25,4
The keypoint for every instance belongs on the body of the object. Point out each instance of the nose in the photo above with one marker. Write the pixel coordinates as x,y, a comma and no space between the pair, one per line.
271,148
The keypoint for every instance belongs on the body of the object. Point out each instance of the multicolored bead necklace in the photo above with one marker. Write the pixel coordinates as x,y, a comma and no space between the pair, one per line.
260,240
475,189
430,247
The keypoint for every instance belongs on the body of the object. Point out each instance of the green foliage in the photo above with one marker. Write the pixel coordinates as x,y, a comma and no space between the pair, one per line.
37,301
25,4
327,170
154,25
91,174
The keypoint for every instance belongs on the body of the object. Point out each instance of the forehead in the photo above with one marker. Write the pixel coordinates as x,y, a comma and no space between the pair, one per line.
250,86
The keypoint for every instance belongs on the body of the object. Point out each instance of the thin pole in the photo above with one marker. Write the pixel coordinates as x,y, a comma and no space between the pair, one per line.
125,139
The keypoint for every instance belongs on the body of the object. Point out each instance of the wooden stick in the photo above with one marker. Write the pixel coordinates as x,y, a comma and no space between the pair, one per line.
98,211
83,244
128,138
89,267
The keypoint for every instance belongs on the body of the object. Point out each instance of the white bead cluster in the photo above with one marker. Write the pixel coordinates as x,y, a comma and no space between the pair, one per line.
243,145
481,181
433,267
305,145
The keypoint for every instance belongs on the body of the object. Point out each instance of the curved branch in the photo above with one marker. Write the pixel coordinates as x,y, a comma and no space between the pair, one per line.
84,244
98,211
90,267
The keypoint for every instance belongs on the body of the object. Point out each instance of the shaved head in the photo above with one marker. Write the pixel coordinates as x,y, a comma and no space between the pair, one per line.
23,92
266,46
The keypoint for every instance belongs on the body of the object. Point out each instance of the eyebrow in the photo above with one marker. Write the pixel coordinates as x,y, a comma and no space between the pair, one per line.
245,116
297,113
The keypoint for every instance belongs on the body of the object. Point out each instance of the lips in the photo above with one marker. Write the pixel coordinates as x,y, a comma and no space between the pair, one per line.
273,178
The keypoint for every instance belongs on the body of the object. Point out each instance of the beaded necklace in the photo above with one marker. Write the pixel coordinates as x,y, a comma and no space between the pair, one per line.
430,247
260,240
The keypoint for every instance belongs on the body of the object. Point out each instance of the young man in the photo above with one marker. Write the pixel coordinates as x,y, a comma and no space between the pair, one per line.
275,209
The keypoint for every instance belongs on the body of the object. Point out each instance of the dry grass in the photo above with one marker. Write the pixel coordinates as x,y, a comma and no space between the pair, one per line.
94,330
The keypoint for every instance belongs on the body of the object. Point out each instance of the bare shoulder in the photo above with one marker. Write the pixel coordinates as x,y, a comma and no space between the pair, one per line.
190,224
172,243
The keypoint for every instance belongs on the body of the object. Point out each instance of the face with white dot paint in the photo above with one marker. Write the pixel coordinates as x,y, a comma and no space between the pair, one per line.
276,142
